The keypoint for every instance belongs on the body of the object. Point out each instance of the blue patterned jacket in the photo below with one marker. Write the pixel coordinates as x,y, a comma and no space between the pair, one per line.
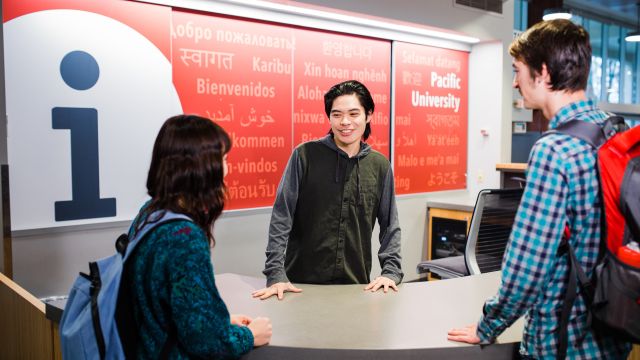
173,286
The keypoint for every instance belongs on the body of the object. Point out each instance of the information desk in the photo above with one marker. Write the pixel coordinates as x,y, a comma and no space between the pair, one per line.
511,174
345,322
447,228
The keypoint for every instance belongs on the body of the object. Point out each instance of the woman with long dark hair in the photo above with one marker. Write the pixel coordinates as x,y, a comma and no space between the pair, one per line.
178,310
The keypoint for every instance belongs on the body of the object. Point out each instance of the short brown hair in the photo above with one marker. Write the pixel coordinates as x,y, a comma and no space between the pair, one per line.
562,46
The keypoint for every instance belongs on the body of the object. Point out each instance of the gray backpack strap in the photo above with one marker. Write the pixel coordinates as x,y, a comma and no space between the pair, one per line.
593,134
589,132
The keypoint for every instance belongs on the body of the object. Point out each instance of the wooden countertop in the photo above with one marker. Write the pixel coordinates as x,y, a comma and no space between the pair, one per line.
450,206
511,166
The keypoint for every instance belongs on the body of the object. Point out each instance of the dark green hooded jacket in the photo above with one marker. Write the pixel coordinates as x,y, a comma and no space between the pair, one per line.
324,213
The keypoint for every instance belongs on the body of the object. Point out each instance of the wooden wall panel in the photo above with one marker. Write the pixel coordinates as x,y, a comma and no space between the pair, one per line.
25,332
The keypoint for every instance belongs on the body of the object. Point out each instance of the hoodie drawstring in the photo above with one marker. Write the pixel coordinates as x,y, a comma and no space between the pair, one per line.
337,165
337,175
358,180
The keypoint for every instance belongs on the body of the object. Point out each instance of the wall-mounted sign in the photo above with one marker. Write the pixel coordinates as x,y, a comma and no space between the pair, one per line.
431,111
89,83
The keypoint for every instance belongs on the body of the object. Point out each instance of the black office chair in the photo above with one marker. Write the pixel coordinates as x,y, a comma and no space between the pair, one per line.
491,223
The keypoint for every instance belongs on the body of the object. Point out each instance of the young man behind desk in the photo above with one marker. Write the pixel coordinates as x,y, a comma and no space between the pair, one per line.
551,63
328,200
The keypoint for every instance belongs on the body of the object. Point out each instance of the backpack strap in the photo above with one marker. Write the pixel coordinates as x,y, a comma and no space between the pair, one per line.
629,205
126,249
594,134
94,291
576,277
152,221
589,132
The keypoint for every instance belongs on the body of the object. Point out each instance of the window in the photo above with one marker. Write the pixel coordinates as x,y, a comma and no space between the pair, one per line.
520,8
612,69
629,78
594,87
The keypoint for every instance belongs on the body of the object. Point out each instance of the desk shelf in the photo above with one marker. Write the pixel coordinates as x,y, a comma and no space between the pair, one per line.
444,211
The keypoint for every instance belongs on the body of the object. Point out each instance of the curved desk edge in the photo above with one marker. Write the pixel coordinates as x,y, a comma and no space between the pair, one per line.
493,352
232,285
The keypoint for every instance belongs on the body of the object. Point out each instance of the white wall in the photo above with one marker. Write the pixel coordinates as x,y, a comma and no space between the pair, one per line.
46,262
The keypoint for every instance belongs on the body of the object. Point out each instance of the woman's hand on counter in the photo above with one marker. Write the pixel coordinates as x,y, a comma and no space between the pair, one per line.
240,320
467,334
276,289
261,329
381,282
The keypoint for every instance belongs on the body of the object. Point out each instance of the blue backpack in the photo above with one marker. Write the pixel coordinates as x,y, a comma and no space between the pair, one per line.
97,322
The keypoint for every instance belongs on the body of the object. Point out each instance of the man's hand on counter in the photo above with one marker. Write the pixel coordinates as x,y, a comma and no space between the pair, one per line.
466,334
275,289
381,282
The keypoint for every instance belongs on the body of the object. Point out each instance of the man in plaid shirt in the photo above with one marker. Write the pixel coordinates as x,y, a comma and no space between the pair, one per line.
551,63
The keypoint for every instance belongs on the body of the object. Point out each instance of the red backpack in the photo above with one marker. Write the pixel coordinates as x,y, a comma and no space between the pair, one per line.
613,292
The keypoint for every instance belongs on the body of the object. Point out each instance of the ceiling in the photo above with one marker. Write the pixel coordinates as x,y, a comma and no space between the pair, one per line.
621,10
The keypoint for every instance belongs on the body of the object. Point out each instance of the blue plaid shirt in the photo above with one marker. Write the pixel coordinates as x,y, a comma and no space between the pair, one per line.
562,188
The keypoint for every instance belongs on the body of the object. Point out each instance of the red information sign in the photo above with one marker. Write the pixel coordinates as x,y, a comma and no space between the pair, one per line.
431,111
238,73
324,59
265,85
